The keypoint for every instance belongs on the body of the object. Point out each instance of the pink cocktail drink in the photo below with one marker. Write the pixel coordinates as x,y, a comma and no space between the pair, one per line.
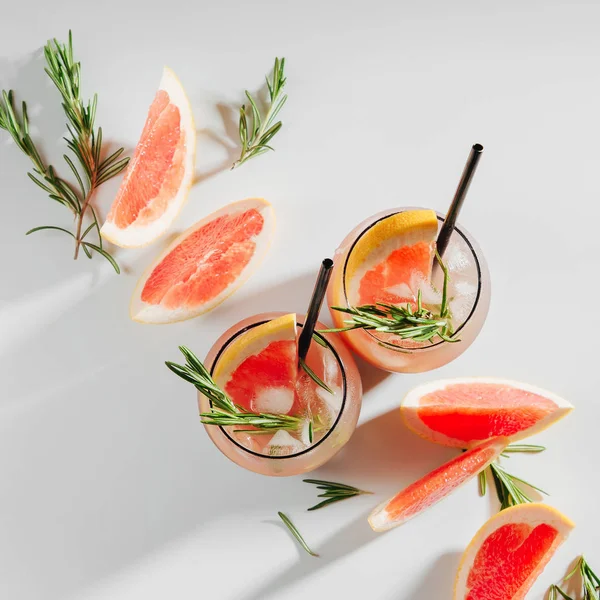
271,384
468,291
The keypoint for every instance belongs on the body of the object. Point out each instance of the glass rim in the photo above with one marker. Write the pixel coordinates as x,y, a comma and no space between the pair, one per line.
333,426
441,342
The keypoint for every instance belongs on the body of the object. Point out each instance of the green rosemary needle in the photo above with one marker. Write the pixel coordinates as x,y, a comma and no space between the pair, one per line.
294,531
84,142
314,376
508,487
420,324
256,132
590,583
333,492
223,411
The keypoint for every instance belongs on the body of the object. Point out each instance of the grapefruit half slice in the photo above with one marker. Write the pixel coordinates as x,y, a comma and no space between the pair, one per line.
160,173
509,552
435,486
259,368
463,412
205,264
391,258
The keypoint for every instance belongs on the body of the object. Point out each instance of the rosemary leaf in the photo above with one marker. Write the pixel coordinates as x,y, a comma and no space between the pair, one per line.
223,412
255,138
334,492
84,142
314,376
508,487
294,531
420,324
590,582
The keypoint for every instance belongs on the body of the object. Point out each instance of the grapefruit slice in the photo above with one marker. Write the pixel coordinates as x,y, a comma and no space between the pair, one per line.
259,368
205,264
160,172
392,258
509,552
435,486
463,412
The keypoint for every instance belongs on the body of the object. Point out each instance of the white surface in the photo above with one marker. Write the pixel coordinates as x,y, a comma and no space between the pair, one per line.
110,487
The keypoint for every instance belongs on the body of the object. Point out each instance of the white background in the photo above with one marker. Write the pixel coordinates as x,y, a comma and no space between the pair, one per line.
110,488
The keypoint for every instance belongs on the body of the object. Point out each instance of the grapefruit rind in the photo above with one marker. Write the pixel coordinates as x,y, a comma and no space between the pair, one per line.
381,239
135,236
531,514
410,404
252,342
381,520
143,312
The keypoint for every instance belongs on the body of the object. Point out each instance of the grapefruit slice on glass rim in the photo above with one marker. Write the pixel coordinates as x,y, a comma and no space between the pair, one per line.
258,370
392,258
160,173
205,264
435,486
509,552
463,412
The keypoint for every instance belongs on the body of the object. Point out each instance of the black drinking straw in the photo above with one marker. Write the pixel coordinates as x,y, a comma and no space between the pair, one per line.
314,308
459,197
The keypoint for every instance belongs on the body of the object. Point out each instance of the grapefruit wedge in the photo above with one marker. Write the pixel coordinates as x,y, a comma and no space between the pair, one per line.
435,486
391,259
509,552
160,172
259,368
463,412
205,264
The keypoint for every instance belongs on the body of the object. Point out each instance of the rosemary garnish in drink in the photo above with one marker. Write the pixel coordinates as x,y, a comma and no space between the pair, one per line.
419,324
256,132
508,490
334,492
314,376
223,411
590,583
84,141
296,533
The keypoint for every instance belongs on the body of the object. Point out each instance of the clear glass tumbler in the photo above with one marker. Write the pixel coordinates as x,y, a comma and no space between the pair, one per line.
336,414
469,289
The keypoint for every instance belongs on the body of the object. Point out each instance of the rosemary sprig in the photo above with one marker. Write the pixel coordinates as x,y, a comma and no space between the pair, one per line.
334,492
84,142
314,376
224,412
590,583
508,488
420,324
294,531
256,132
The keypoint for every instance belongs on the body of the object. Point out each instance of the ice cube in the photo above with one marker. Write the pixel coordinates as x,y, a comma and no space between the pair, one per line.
276,400
463,298
429,295
331,370
456,259
283,444
333,401
402,290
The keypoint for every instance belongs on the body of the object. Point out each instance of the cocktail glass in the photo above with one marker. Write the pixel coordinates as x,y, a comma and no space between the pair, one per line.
334,416
469,292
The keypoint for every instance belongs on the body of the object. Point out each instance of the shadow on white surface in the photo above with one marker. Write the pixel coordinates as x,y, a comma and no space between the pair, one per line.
112,462
438,580
370,376
229,142
376,459
348,539
385,455
290,295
